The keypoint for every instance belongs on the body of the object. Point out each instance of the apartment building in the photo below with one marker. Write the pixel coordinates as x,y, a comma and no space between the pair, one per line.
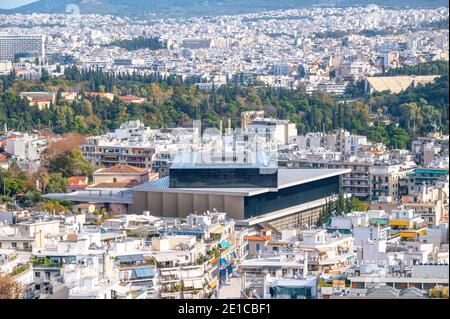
388,180
278,276
423,277
280,131
355,182
406,223
135,145
422,177
12,46
26,149
430,202
427,148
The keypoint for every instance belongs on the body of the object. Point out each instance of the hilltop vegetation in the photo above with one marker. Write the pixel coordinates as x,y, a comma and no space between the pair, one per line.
139,43
171,102
426,68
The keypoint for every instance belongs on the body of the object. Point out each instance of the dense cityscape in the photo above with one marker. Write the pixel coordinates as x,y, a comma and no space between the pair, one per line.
285,154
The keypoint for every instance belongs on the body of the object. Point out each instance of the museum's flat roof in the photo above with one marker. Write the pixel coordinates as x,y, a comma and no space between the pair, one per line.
286,178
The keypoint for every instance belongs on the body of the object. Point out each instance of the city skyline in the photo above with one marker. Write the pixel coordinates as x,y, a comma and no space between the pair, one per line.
261,154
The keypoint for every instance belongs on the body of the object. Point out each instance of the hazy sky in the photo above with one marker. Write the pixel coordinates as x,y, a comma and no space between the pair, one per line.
7,4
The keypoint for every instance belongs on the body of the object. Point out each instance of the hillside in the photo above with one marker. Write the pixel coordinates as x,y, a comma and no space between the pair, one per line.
197,7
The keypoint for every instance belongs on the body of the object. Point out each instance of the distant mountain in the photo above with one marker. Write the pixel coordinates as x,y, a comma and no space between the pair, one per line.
198,7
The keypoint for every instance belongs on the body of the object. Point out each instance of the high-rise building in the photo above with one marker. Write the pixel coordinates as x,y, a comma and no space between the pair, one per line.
12,46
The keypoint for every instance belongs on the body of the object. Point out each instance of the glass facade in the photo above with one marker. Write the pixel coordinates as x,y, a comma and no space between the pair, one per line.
291,292
232,177
290,196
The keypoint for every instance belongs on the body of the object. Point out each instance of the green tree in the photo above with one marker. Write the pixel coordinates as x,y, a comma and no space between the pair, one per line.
398,137
71,164
44,75
43,180
57,183
359,205
31,198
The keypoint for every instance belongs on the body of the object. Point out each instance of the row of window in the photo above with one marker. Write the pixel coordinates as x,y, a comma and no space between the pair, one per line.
290,196
230,177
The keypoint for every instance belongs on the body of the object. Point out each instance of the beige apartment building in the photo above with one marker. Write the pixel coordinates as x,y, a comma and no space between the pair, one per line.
388,180
110,154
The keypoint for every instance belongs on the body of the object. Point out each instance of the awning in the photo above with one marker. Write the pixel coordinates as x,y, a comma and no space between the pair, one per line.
224,244
213,284
124,259
139,257
130,258
218,230
212,261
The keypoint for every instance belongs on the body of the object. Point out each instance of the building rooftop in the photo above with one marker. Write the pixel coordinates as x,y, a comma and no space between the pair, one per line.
121,169
286,178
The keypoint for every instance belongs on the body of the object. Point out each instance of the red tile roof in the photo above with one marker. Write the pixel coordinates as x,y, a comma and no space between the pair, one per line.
121,168
77,180
130,98
258,238
123,184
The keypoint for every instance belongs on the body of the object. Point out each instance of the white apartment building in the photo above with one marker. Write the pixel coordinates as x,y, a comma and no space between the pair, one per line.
278,276
279,131
136,145
26,147
26,150
10,45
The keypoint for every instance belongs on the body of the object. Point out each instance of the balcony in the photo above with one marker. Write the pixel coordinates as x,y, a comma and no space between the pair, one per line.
355,185
356,177
19,269
45,263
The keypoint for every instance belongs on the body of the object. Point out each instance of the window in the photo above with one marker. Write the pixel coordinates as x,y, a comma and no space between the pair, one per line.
14,244
257,247
290,196
37,274
230,177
